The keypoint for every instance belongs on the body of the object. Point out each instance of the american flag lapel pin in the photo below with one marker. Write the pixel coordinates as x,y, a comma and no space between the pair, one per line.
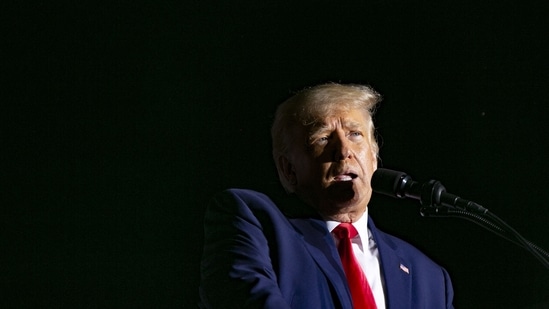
404,269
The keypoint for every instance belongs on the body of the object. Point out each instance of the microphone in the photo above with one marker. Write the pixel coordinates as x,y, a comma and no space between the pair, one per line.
430,194
433,196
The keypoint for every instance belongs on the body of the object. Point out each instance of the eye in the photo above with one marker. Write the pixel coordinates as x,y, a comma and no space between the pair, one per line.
322,140
319,139
355,135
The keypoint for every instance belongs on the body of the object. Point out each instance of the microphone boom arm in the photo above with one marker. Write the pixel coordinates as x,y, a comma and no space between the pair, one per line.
437,202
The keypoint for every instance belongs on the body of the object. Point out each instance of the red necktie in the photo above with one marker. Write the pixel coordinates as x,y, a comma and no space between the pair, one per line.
358,284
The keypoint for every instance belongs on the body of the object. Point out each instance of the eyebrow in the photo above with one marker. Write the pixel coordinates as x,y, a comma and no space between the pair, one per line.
323,127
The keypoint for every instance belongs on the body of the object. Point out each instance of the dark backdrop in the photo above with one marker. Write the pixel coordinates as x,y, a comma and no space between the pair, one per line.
122,119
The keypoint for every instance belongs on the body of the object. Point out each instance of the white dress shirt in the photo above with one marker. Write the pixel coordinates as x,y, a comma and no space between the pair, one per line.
367,255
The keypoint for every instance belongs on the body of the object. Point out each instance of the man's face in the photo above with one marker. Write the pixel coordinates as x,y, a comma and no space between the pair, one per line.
333,163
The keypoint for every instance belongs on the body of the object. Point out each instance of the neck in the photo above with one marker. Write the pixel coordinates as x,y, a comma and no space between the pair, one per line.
345,215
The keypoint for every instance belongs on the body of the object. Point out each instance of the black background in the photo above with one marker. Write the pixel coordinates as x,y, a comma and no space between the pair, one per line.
121,119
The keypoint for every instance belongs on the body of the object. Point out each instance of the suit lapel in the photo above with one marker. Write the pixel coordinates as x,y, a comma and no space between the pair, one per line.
398,289
320,244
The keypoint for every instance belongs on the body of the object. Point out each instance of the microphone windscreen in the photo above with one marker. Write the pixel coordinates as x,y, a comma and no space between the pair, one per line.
387,182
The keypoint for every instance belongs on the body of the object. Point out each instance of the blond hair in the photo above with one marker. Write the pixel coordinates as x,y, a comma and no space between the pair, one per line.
314,104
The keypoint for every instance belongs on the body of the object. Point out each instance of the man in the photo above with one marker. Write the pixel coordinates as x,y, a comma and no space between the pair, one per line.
265,253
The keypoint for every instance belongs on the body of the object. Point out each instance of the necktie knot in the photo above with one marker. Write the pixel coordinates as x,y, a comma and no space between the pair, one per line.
345,231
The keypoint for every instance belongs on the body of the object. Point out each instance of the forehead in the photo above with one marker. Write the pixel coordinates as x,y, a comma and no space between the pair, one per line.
351,119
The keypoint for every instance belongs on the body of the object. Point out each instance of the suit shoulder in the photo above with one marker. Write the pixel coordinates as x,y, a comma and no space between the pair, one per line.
244,195
244,200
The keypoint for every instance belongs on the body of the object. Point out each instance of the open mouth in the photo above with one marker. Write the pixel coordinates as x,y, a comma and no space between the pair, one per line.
345,177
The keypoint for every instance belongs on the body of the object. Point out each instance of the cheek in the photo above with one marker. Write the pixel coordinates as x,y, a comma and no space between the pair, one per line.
373,161
304,169
370,162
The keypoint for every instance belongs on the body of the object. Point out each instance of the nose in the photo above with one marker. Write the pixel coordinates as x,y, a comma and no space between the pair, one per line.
342,148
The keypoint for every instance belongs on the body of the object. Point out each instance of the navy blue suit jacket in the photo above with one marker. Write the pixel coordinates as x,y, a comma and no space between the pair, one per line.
258,255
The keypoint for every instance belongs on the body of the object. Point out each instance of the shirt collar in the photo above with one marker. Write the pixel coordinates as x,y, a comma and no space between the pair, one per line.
361,226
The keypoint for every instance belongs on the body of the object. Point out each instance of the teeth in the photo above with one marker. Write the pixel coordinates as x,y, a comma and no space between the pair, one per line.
343,178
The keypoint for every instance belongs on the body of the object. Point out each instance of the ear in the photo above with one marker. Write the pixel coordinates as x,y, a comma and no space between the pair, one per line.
287,171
